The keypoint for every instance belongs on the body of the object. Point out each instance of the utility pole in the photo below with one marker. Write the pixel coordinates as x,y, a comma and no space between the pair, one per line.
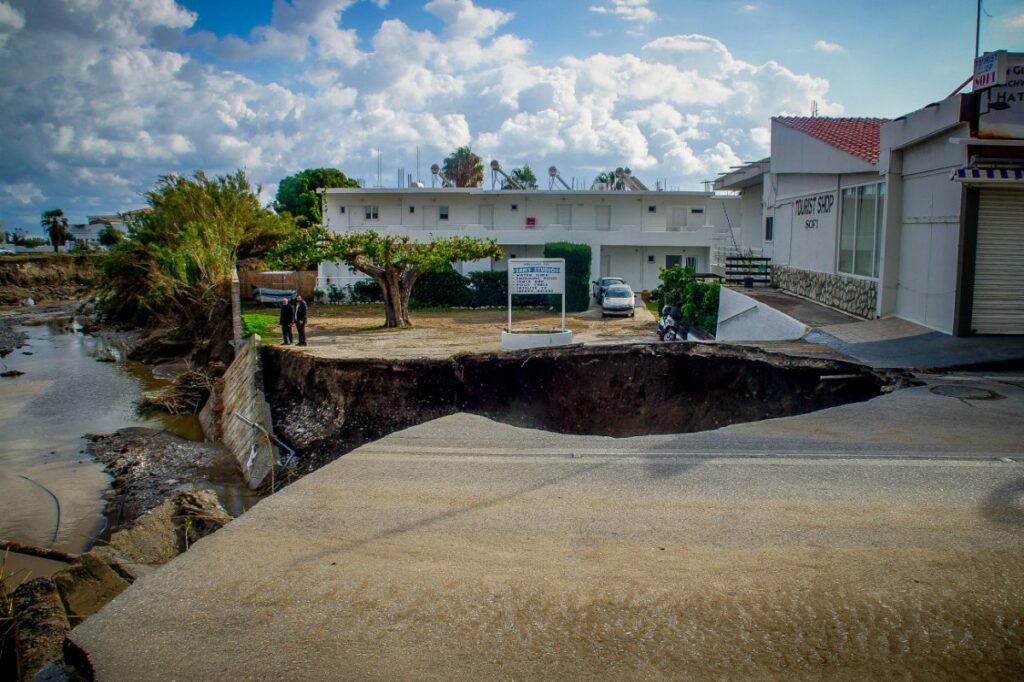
977,32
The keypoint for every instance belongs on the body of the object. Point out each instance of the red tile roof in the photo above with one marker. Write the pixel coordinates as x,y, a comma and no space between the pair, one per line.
856,136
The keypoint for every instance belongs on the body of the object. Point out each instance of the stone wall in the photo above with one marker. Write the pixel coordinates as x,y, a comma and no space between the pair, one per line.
850,294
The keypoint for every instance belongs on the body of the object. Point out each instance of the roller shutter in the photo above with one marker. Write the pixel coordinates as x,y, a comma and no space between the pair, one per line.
999,267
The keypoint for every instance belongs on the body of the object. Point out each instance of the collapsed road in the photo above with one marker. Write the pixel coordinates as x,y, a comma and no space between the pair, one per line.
325,407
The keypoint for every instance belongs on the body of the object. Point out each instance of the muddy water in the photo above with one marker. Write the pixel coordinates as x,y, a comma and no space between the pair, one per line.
73,384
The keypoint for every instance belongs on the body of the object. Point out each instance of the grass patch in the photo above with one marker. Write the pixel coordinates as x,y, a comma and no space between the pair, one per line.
258,323
652,305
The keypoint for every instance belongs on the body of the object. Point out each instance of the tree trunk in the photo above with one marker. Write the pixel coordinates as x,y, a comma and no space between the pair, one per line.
396,301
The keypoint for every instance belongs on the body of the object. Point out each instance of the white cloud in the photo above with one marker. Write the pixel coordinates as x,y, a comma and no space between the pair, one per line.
116,113
628,10
1016,21
11,21
825,46
748,7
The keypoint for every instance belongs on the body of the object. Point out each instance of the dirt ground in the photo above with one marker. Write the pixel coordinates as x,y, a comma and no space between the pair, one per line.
354,331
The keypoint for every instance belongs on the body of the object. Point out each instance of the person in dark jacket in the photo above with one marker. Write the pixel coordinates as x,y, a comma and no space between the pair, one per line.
287,317
301,314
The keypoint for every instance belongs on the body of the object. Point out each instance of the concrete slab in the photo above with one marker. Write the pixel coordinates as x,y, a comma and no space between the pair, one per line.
810,313
881,539
931,350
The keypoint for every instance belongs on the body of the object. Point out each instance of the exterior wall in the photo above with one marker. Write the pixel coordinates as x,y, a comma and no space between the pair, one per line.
855,295
797,152
681,223
926,230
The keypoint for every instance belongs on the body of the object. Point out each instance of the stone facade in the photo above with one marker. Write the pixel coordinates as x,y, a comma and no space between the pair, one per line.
850,294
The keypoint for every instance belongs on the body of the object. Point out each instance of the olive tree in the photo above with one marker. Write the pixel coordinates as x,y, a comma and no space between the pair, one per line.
393,261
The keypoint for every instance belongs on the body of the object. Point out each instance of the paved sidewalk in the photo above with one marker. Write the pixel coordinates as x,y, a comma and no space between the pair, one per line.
879,539
892,342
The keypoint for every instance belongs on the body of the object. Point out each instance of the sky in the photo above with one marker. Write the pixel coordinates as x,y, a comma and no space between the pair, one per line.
98,98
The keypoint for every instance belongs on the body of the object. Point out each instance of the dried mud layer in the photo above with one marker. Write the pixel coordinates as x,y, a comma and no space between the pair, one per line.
148,467
326,407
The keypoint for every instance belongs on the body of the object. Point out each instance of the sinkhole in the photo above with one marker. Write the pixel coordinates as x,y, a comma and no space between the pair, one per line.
327,407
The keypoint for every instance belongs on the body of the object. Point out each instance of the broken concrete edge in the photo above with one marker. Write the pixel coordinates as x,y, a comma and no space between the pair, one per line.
46,609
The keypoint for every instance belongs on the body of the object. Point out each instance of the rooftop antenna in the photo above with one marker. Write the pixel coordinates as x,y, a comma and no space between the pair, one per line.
814,109
418,166
553,176
380,169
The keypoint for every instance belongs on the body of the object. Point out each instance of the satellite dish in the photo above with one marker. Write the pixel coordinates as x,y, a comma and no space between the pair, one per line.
435,169
495,165
627,171
618,172
552,171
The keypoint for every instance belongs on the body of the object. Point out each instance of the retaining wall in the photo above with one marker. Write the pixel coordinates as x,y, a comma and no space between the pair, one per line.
851,294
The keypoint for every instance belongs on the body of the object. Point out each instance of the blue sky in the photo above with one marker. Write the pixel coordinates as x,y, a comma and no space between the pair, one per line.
99,97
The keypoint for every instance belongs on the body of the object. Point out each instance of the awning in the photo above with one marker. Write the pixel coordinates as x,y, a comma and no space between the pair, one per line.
1000,176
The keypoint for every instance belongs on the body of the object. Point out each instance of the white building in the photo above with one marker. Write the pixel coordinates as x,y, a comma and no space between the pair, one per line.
632,234
920,218
88,234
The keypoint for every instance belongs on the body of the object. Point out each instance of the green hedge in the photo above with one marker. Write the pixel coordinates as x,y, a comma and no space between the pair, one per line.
577,274
442,288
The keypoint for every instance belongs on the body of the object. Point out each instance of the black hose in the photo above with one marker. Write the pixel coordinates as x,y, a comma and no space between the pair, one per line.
49,492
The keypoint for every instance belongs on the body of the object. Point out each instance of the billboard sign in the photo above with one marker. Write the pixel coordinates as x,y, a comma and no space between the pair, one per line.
989,70
1001,110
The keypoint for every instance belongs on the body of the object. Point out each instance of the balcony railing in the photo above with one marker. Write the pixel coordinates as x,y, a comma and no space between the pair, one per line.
446,226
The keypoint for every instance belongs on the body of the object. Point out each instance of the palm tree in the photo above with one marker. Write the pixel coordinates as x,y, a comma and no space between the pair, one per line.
56,226
524,177
463,168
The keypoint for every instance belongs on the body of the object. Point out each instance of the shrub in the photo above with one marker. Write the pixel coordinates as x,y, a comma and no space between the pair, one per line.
489,288
362,291
441,288
577,274
697,301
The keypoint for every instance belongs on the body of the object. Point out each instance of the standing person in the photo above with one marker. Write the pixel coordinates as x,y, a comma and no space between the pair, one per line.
287,317
300,319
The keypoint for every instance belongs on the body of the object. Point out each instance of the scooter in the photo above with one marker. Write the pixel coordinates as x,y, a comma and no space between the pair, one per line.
669,328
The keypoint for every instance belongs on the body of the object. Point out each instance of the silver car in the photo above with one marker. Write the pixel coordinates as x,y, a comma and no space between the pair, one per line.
618,299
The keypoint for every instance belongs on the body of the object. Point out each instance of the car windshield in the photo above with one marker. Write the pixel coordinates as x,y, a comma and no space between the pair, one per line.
609,281
619,292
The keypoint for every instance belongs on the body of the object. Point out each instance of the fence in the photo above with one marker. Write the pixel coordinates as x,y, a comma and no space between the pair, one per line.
303,281
744,269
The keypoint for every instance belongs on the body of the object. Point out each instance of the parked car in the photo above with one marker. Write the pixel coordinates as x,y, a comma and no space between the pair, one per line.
601,285
6,252
618,299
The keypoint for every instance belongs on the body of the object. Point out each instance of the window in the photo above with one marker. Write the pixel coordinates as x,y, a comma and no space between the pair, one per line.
697,211
860,229
673,260
341,209
652,209
371,212
515,207
442,213
769,228
650,259
691,262
412,209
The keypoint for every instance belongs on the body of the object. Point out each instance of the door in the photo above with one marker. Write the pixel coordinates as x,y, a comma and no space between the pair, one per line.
999,264
691,262
431,216
487,217
606,266
603,217
678,218
564,215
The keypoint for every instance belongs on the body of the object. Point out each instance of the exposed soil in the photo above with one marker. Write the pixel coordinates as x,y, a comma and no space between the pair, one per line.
327,407
44,278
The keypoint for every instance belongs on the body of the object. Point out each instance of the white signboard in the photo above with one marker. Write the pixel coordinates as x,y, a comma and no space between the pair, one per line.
536,276
989,70
1001,110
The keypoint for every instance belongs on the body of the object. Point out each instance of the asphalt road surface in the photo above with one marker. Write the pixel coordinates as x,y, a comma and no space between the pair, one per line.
877,540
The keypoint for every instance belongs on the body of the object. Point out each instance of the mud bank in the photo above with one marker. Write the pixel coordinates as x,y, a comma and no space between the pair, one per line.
326,407
45,277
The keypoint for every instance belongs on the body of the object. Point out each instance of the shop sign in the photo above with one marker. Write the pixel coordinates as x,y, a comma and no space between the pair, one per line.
819,204
989,70
1001,109
536,276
